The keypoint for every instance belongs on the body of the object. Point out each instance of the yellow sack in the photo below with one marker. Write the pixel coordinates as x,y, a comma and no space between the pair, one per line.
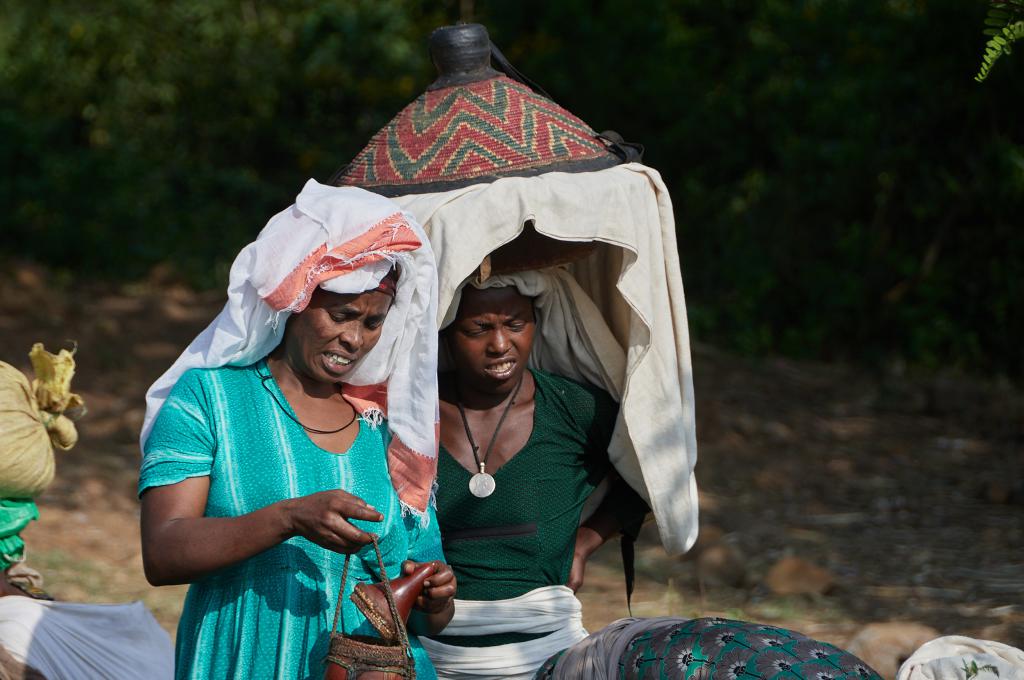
32,421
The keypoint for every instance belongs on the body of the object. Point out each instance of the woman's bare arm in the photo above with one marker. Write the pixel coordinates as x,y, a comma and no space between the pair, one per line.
179,545
603,525
592,534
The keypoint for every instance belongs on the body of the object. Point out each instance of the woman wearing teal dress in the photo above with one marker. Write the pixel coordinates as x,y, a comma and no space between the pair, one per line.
299,423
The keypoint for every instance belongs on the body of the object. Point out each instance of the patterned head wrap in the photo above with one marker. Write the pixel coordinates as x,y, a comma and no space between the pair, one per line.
344,240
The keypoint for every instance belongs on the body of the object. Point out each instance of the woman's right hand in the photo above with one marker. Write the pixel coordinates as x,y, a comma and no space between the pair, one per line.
180,544
323,519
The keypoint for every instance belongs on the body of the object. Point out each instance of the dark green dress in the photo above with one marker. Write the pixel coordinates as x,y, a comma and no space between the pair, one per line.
522,536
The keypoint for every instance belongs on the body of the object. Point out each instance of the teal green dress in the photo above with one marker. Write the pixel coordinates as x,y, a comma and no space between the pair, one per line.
270,616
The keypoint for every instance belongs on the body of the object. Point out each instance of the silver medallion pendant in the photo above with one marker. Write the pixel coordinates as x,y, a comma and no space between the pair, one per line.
481,485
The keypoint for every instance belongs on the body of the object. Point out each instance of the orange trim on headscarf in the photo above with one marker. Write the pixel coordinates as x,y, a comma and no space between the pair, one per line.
412,472
367,397
390,235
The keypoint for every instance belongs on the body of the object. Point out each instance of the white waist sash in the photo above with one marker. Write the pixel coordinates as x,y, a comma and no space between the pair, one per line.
553,610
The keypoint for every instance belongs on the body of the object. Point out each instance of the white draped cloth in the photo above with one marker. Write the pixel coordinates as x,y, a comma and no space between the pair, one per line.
553,610
344,240
625,302
956,657
100,641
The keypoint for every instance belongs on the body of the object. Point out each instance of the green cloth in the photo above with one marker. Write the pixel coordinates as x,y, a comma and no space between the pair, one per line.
523,535
15,514
271,615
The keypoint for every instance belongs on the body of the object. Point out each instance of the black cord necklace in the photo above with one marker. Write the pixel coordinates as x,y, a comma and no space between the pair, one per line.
307,428
481,484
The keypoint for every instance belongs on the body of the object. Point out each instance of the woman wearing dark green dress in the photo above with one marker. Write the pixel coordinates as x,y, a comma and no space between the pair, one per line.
522,450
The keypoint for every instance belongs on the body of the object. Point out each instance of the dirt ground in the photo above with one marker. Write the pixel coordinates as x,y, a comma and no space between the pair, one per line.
900,495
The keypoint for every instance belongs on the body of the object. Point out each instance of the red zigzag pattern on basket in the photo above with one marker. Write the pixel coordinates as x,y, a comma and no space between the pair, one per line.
483,128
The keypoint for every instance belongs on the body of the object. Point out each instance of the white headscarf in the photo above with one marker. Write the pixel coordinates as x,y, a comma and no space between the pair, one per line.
574,341
344,240
632,279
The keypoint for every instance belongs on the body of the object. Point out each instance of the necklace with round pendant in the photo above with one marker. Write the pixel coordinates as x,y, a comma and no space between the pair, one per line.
481,484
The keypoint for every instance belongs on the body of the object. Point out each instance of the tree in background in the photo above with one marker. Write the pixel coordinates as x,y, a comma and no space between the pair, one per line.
135,132
842,188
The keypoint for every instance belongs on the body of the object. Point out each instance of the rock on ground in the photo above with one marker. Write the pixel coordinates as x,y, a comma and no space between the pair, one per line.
885,646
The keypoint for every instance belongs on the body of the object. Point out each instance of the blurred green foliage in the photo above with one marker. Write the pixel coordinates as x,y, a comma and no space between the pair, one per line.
842,187
134,131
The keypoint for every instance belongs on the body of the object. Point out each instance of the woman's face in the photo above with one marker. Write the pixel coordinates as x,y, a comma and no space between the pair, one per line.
325,339
491,338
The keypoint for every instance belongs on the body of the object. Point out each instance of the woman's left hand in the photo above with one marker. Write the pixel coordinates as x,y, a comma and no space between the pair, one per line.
587,541
579,567
438,589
